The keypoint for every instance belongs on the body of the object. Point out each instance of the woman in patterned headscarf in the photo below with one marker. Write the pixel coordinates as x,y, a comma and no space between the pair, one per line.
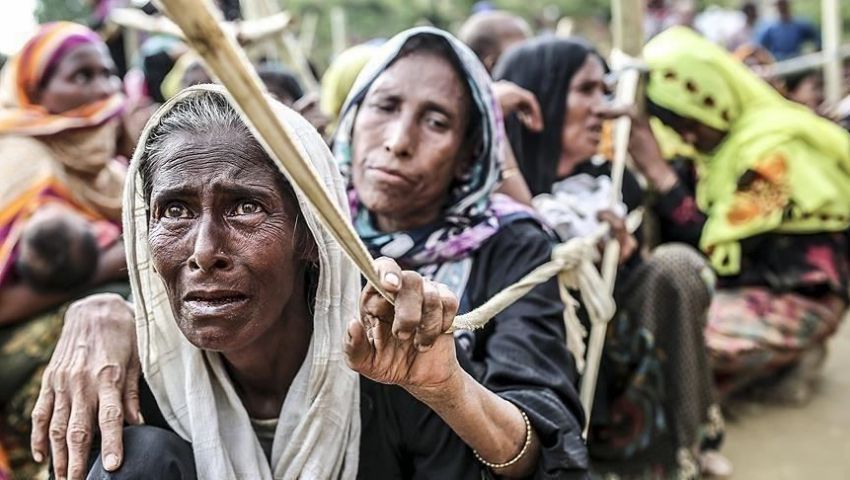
419,141
60,200
767,204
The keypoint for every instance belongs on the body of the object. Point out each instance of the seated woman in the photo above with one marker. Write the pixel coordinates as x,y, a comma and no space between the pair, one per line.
519,412
655,395
767,204
60,109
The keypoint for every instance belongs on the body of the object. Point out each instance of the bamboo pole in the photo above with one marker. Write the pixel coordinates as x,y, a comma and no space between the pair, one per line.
832,74
229,64
628,42
247,32
816,60
307,32
338,33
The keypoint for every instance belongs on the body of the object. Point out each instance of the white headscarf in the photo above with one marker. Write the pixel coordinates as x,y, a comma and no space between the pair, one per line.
318,432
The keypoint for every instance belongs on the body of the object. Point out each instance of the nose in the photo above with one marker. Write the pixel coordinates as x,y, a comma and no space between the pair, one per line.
104,86
400,137
209,252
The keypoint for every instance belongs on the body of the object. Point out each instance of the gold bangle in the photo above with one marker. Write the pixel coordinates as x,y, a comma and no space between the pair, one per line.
509,172
496,466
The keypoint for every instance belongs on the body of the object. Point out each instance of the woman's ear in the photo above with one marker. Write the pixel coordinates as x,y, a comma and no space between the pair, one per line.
306,244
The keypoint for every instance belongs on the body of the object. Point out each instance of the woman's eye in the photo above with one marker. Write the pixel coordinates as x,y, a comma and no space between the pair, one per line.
438,123
175,210
82,77
248,208
383,107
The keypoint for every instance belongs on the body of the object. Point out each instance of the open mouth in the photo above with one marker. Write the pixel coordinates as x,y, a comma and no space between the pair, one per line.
214,302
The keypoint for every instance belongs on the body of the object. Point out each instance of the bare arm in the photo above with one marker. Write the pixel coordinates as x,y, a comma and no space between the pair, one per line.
19,301
405,345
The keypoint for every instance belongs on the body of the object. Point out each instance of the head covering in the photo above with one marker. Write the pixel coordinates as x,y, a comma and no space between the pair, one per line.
544,66
318,430
780,167
67,158
25,74
471,216
341,74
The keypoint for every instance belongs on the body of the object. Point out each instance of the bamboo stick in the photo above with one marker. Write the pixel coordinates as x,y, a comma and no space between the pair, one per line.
628,41
228,63
801,63
832,72
247,32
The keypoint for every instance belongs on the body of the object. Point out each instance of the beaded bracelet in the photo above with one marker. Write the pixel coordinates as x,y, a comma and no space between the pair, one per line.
496,466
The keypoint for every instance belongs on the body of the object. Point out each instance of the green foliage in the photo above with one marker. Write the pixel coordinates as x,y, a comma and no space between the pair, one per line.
53,10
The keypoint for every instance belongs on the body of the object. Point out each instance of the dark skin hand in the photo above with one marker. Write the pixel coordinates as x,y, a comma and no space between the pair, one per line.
644,148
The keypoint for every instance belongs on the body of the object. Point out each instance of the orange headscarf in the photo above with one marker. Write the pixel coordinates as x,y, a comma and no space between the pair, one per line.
24,75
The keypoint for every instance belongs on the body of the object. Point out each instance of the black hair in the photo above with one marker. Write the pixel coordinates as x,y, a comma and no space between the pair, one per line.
58,259
280,82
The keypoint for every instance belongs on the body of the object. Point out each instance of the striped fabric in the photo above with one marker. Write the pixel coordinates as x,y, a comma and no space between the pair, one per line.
19,112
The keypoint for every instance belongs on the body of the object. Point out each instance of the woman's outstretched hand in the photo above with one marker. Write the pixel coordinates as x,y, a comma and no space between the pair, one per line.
88,385
404,344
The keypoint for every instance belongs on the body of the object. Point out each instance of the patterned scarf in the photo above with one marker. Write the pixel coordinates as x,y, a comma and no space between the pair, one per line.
474,213
23,77
780,168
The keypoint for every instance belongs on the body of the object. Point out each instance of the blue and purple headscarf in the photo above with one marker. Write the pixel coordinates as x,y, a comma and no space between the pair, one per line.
473,213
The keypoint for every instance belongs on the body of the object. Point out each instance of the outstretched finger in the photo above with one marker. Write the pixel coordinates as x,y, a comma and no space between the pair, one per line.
111,422
79,437
58,434
408,306
373,303
450,305
132,411
432,317
529,112
41,415
358,348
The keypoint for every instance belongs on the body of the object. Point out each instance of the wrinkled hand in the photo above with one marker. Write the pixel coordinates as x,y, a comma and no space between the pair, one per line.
404,345
515,99
627,241
643,146
308,107
93,376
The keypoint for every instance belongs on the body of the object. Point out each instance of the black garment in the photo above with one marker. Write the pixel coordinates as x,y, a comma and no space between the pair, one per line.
809,264
544,66
520,355
150,452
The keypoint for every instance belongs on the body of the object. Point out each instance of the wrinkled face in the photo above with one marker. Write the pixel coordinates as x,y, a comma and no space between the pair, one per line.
582,130
408,140
85,75
222,237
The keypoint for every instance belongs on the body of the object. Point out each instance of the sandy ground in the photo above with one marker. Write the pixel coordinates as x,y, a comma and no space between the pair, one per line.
809,443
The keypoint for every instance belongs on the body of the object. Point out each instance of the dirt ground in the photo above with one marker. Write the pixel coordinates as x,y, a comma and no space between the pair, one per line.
809,443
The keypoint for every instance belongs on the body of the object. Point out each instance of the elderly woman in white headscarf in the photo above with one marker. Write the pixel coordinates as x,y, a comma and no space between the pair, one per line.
241,304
